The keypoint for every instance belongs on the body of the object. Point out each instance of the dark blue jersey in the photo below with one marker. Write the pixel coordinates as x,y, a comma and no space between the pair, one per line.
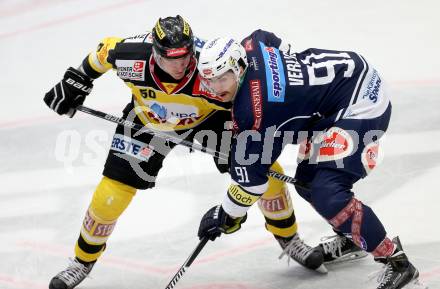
289,95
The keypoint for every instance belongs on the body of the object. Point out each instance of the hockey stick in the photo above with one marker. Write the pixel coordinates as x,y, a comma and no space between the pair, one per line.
187,263
177,140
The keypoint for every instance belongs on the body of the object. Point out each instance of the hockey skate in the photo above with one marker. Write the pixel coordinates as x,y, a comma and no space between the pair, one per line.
74,274
302,253
397,272
338,249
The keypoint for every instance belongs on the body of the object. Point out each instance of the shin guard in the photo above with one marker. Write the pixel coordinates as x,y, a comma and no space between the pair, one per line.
276,206
109,201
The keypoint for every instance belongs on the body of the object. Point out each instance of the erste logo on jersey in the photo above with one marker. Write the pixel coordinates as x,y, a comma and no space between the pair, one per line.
275,78
131,69
132,147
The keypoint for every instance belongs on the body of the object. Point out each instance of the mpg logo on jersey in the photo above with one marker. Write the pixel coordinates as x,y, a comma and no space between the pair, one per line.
276,81
131,69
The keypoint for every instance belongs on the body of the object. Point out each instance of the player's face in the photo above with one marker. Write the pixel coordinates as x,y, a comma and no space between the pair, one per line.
176,67
225,86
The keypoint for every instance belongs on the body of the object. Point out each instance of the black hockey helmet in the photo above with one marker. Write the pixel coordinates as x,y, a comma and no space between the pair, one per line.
173,37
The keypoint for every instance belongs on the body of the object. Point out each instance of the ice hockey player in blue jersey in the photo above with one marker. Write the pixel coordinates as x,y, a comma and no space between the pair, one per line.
335,106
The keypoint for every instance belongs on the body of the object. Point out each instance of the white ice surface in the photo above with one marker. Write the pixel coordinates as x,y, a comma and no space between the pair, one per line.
43,200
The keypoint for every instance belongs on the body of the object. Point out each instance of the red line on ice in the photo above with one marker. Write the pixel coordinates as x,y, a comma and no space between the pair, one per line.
20,283
139,266
234,251
430,274
222,286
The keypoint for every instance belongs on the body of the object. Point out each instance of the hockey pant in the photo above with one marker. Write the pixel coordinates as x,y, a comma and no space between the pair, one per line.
331,178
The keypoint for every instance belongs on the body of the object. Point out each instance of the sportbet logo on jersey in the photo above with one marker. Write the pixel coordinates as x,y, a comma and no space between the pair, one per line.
131,69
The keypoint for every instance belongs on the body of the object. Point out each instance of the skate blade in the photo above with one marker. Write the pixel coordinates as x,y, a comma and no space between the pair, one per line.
416,284
322,269
348,258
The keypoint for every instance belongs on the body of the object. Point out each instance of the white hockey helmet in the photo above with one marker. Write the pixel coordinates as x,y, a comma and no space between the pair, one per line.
220,55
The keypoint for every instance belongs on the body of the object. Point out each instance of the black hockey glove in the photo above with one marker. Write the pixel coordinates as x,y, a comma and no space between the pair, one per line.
70,92
216,221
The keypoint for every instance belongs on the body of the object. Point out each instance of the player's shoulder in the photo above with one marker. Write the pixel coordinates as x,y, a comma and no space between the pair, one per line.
112,42
263,36
327,53
137,47
144,37
142,41
312,56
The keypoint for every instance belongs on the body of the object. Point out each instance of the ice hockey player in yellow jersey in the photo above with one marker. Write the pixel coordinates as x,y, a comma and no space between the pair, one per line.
160,68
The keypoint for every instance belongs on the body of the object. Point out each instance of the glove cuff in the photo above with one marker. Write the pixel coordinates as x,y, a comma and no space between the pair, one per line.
78,75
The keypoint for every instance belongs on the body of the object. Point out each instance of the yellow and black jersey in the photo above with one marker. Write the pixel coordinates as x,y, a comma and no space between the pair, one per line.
159,100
